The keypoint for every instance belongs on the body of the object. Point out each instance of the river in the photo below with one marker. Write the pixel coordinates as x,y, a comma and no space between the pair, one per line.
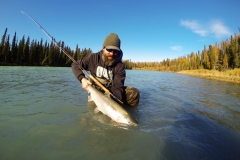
44,114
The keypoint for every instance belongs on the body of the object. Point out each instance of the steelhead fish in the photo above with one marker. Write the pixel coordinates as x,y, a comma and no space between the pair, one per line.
111,108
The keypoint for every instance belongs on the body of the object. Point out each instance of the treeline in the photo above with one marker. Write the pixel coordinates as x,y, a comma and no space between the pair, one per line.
223,56
26,52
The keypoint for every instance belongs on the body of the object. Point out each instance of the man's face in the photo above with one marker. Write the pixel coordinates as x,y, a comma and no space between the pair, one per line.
110,56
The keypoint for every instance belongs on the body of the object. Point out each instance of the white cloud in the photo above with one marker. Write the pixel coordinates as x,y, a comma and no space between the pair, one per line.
213,27
176,48
195,27
219,30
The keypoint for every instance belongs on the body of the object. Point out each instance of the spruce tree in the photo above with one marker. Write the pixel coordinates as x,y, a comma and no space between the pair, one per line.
14,49
26,51
20,56
2,57
76,53
40,52
51,54
6,50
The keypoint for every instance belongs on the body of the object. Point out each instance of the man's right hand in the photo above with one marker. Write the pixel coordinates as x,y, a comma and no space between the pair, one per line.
85,83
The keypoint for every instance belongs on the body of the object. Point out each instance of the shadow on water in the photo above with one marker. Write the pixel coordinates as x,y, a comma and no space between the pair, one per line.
193,118
194,136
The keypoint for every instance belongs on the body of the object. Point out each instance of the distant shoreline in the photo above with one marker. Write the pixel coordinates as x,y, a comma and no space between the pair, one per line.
228,76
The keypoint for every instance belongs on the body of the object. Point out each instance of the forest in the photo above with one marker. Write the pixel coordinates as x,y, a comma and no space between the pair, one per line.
25,52
220,56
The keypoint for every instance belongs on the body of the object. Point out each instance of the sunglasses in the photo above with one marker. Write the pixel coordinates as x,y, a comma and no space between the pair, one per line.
112,50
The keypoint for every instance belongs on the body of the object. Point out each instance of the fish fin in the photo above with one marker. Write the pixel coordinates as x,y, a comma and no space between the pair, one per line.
96,110
89,98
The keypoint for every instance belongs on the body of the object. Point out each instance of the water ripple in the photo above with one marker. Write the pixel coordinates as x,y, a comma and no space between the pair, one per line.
44,111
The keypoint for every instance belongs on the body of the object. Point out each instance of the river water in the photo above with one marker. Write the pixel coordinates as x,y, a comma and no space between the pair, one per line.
44,114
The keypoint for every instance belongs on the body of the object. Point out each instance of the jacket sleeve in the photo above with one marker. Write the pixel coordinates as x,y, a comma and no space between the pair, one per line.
118,82
84,64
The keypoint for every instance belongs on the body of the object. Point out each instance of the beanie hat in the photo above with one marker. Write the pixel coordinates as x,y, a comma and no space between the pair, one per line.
112,41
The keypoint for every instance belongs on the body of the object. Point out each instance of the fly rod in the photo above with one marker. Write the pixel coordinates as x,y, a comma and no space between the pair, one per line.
79,66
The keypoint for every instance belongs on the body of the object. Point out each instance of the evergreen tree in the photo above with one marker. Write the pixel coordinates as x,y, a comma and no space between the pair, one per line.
20,50
225,61
192,59
45,54
83,53
40,54
206,60
62,56
235,48
36,55
68,60
76,53
51,54
238,51
33,53
216,53
231,53
56,54
211,57
14,49
6,50
198,61
2,57
26,51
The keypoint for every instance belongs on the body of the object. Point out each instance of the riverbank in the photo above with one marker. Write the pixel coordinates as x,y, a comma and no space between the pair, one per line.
229,75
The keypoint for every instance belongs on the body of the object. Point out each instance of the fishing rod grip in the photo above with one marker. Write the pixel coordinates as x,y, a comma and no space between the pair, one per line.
99,84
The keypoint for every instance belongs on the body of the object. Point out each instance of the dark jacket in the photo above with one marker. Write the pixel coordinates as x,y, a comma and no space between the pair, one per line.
95,64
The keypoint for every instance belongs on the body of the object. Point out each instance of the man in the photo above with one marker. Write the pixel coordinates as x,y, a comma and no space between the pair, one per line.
107,67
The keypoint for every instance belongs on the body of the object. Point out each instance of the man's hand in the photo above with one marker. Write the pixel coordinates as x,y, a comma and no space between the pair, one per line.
85,83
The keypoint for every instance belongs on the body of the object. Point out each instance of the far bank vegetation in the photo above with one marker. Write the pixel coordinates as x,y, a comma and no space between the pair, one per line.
223,56
220,61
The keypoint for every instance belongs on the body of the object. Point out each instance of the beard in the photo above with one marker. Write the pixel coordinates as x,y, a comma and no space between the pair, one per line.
108,62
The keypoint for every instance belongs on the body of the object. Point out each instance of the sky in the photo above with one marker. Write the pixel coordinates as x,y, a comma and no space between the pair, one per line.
150,30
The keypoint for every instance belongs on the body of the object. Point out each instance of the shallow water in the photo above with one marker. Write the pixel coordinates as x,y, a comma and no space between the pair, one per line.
44,114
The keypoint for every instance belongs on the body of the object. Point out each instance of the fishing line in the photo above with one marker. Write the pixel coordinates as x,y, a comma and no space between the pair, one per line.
55,43
79,66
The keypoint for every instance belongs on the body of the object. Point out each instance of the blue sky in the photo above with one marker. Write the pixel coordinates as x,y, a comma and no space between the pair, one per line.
150,30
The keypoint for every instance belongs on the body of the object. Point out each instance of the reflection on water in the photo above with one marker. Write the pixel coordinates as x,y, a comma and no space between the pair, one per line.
44,114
